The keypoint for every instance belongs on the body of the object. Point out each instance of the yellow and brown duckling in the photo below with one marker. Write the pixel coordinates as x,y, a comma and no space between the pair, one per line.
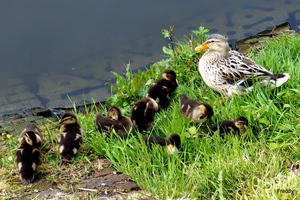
194,110
173,143
142,113
162,89
28,155
71,136
122,124
103,123
237,126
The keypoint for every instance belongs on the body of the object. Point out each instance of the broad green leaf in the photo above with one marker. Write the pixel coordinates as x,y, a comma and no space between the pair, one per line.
165,33
168,51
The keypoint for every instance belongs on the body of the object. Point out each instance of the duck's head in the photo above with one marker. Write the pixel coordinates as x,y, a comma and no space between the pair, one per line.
152,105
67,118
215,42
31,138
114,113
241,122
31,134
203,112
174,143
170,75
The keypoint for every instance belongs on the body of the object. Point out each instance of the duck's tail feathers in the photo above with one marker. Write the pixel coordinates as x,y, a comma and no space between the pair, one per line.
279,80
183,98
276,81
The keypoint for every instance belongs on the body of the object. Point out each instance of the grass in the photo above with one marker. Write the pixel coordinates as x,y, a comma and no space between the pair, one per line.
252,166
56,173
246,167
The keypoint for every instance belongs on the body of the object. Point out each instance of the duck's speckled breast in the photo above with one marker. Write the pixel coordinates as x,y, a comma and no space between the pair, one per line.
208,69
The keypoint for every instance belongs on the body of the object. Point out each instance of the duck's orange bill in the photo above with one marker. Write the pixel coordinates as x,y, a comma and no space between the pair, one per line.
201,47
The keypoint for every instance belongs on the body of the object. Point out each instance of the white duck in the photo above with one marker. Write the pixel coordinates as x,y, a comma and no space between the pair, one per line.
230,72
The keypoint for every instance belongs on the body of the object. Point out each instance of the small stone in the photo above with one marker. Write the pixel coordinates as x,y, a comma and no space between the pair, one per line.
36,190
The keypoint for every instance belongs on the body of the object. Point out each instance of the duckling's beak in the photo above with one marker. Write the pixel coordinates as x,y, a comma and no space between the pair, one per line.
58,125
201,47
114,117
179,148
24,137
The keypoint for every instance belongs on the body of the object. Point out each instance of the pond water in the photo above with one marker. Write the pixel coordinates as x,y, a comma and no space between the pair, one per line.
50,50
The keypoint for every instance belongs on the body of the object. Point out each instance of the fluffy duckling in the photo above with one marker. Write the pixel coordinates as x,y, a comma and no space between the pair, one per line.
122,124
194,110
103,123
142,113
172,144
162,89
236,126
71,136
28,155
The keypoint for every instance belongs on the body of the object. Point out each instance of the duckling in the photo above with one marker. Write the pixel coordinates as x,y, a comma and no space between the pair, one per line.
172,144
142,113
28,155
71,136
103,123
122,124
194,110
162,89
236,126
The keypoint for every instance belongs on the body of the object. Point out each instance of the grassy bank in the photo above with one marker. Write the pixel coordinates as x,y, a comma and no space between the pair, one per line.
252,166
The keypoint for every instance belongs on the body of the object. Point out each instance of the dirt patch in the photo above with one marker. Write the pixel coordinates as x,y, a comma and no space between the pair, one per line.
103,182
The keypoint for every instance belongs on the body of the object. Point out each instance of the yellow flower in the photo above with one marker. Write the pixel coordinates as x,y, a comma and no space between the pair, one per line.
8,136
10,158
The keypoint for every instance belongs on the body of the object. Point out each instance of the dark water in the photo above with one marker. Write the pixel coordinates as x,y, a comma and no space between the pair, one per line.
51,49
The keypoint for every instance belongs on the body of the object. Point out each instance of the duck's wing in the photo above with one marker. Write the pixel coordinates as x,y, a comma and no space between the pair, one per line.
238,67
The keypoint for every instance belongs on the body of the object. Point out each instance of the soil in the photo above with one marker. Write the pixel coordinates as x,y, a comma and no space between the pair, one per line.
102,183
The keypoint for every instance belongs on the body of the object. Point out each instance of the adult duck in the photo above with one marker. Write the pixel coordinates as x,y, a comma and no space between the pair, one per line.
230,72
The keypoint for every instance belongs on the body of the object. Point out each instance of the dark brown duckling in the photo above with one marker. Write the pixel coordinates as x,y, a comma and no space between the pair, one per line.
103,123
122,124
237,126
194,110
71,136
172,144
28,155
142,113
162,89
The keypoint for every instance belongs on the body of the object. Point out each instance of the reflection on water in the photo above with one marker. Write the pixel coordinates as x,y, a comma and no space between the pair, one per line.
52,49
